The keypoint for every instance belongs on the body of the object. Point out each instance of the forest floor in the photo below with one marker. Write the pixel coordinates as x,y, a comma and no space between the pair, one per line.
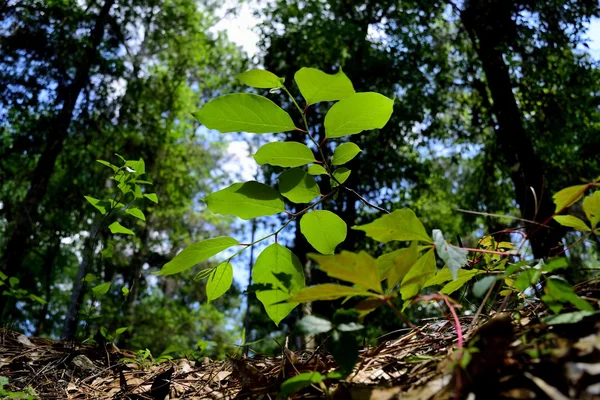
536,357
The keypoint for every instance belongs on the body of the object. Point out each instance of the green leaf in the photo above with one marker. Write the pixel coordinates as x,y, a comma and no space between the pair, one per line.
277,259
317,86
116,227
420,273
243,112
125,290
196,253
108,251
345,152
554,264
323,230
395,265
400,225
572,222
152,197
359,269
120,330
101,289
13,281
568,196
284,154
203,274
139,167
106,163
219,281
454,257
341,174
259,78
561,291
37,299
100,205
527,278
299,382
136,212
314,325
568,318
591,207
317,170
361,111
298,186
482,286
246,200
327,291
463,277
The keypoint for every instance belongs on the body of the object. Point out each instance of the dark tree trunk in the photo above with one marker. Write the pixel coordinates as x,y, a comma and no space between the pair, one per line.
491,27
47,269
22,229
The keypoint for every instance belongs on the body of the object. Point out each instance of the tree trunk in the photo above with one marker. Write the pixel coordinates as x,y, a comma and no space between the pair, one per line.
47,269
488,21
57,128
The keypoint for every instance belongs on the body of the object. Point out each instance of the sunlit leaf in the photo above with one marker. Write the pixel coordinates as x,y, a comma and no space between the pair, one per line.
246,200
420,273
116,227
462,278
152,197
399,225
568,196
299,382
106,163
395,265
317,170
101,289
345,152
244,112
196,253
108,251
277,259
101,205
572,222
341,175
219,281
136,212
327,291
324,230
454,257
527,278
351,267
317,86
561,291
138,166
359,112
298,186
260,78
591,207
284,154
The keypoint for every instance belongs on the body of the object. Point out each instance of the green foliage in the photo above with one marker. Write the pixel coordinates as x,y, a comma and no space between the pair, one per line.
344,153
246,200
399,225
324,230
357,113
317,86
259,78
297,186
286,154
27,394
196,253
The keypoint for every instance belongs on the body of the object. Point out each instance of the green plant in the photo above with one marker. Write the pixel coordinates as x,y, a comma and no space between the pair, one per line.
27,394
15,291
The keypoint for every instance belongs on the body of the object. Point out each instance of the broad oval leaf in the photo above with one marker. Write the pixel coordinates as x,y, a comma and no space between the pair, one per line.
359,269
454,257
399,225
100,205
341,175
196,253
328,291
246,200
568,196
591,207
361,111
316,85
152,197
345,152
317,170
244,112
572,222
116,227
136,212
101,289
323,230
298,186
219,281
284,154
273,262
423,270
260,78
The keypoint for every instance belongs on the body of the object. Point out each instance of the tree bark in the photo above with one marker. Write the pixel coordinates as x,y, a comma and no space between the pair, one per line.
488,21
22,229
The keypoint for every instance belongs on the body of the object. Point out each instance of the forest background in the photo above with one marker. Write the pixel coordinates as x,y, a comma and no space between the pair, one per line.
492,98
